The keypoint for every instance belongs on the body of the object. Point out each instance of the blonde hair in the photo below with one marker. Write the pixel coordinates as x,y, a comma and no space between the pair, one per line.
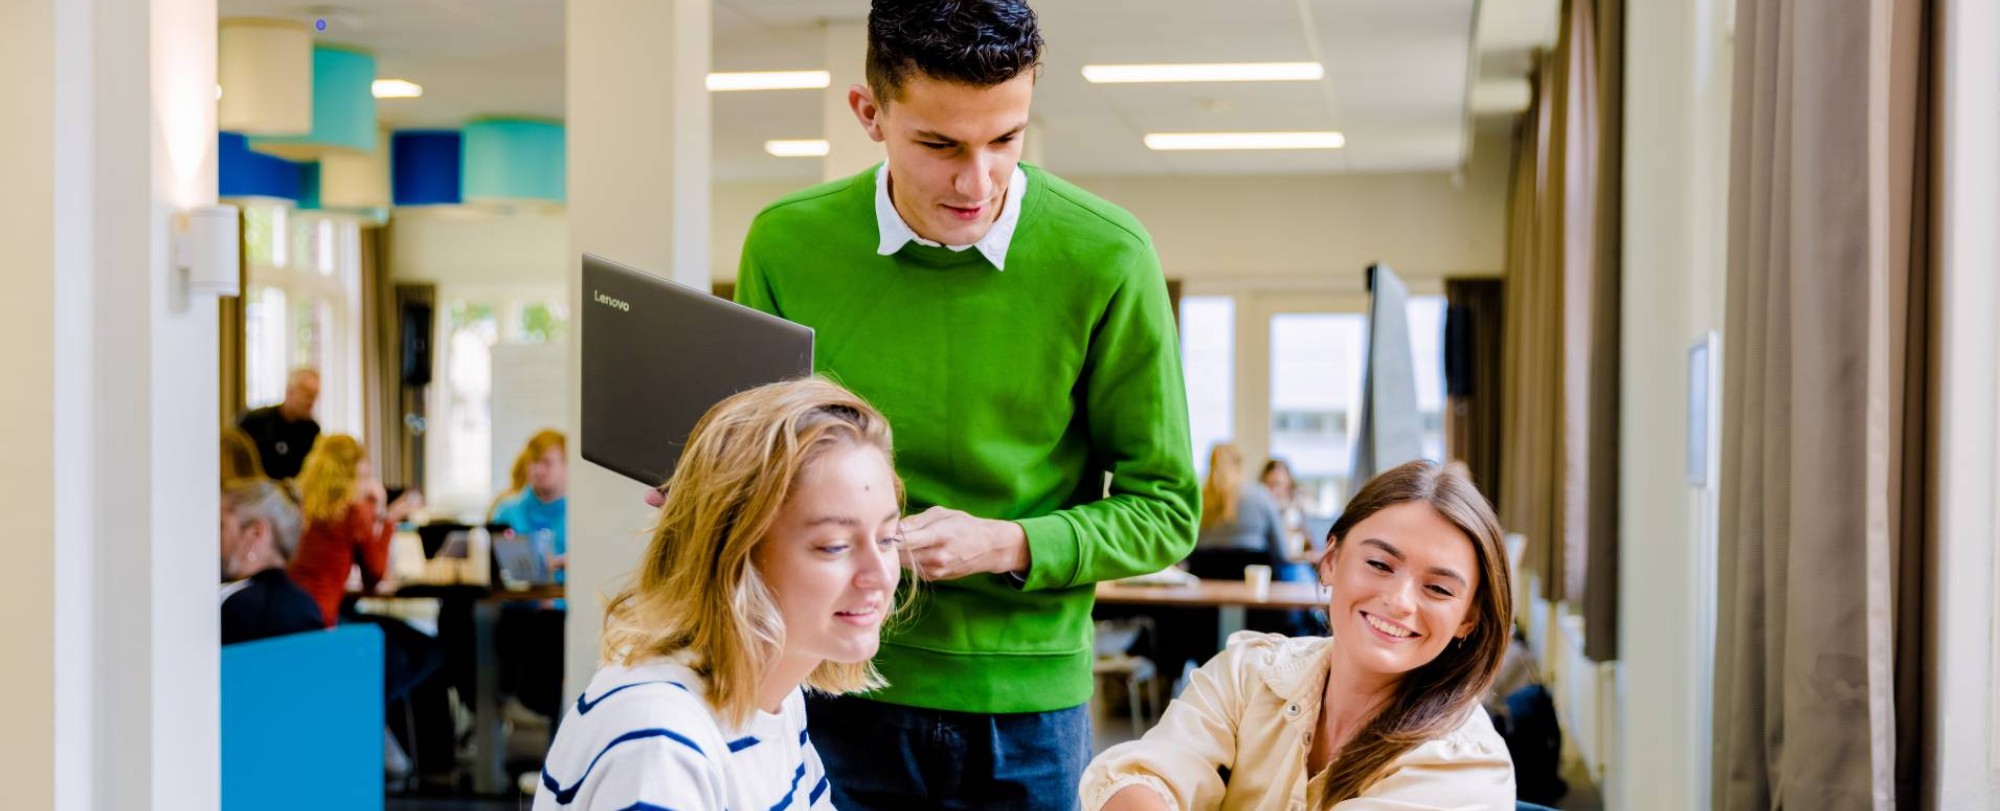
517,476
1431,700
696,589
326,478
1223,489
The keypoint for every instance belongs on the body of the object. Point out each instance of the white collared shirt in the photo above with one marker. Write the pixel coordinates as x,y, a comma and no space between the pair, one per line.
896,233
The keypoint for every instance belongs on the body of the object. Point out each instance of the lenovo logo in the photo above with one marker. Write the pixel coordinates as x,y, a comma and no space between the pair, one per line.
610,302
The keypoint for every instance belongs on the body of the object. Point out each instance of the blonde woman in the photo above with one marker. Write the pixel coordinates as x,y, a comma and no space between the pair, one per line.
1382,715
1239,517
771,568
349,520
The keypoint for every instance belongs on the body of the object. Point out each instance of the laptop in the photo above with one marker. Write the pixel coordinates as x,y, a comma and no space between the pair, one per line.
657,355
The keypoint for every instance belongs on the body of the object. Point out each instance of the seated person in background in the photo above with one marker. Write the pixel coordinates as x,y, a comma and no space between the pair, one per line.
285,433
772,567
260,528
1385,713
1277,478
530,635
348,521
536,503
1240,523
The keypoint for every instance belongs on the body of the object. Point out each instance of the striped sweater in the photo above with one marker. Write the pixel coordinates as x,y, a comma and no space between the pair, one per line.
644,738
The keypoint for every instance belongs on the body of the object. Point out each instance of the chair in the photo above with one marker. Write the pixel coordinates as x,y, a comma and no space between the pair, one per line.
302,721
1114,640
1136,671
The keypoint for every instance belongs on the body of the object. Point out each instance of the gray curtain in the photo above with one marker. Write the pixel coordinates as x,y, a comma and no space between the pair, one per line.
1826,451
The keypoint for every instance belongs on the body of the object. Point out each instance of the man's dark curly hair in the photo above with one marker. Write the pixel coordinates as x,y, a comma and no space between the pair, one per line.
980,43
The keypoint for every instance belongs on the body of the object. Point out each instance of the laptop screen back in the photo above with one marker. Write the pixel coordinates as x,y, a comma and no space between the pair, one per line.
657,355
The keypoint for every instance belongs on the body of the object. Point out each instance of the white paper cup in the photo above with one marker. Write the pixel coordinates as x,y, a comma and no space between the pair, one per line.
1258,576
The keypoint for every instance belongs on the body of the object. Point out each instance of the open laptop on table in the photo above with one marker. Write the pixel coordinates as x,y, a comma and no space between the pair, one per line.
657,355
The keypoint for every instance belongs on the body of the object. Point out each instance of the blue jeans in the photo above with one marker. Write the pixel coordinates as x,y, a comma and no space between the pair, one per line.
887,756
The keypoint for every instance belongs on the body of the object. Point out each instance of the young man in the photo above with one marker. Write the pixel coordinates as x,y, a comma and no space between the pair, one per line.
1016,331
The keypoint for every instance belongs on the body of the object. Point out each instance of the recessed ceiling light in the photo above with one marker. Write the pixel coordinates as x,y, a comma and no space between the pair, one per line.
1244,140
798,148
1211,72
397,89
769,80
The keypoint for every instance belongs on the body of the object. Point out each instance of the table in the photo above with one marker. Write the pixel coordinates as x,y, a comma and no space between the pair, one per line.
489,771
1230,597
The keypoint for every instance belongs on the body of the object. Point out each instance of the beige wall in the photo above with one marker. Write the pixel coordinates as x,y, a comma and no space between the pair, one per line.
1678,74
449,246
27,490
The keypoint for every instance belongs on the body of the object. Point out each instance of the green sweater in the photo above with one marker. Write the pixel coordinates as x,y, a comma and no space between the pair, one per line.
1011,393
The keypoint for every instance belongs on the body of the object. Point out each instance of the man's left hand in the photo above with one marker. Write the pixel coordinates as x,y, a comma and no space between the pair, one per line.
944,544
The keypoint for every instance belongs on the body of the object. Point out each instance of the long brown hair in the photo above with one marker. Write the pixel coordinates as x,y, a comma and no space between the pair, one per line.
696,588
1431,700
1223,489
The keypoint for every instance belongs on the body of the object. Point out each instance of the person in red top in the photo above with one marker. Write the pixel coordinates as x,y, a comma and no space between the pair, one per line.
346,522
349,520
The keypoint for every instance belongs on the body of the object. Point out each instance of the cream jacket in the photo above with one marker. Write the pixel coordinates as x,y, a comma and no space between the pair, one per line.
1251,712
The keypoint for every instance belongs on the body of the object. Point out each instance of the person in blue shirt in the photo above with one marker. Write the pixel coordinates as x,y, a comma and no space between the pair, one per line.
529,635
537,504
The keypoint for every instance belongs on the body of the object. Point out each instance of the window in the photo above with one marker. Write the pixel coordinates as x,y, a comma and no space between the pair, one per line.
1316,367
1208,355
1316,402
303,308
487,338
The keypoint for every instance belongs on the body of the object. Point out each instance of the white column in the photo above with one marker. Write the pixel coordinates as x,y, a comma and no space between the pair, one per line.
1677,94
850,150
639,193
1965,740
110,418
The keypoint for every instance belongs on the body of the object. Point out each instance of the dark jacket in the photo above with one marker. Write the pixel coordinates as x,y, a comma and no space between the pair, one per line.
270,604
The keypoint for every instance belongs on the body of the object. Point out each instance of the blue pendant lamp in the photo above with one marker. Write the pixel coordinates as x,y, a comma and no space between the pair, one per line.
514,160
343,108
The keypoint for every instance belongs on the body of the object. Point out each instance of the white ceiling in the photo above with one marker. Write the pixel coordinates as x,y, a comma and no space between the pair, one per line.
1396,83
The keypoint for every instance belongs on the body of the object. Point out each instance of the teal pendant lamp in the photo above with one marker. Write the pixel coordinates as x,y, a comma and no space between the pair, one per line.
343,108
514,160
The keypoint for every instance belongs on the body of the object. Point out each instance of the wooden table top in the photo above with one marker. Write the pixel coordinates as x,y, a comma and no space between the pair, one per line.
1214,593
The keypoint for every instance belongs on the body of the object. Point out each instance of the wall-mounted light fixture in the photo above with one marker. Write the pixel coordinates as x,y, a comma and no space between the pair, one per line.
206,248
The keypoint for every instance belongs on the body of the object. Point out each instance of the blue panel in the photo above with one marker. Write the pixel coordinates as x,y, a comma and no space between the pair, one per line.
424,167
515,159
302,721
244,173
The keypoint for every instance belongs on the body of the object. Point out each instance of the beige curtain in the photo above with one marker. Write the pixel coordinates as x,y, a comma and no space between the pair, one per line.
379,417
1826,451
229,323
1560,468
